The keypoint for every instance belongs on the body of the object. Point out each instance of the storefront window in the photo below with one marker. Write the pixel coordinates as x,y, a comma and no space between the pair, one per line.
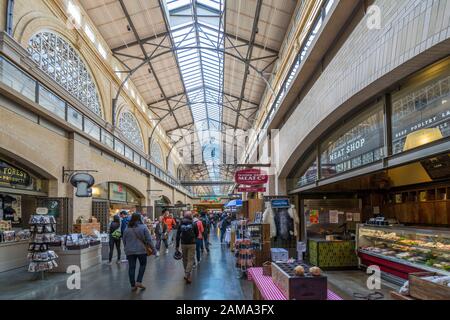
74,117
17,80
52,102
305,173
421,114
100,191
92,129
359,142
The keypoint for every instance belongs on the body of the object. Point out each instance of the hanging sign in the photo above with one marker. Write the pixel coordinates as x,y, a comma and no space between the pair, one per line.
13,176
280,203
250,177
251,189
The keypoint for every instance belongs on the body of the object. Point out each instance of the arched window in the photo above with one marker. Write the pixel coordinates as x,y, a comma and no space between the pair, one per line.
156,153
56,57
130,128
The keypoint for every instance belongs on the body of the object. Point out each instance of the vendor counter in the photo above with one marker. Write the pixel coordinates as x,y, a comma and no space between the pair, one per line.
84,258
13,255
330,254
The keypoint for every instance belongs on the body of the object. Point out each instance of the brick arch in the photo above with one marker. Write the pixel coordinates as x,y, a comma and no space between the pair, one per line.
33,23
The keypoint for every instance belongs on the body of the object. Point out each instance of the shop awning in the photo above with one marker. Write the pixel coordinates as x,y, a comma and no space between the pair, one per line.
234,203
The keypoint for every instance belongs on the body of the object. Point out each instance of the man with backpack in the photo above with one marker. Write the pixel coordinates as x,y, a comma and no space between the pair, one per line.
187,233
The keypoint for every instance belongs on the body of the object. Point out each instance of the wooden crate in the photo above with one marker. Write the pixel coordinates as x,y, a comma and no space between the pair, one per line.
427,290
398,296
86,228
294,287
262,255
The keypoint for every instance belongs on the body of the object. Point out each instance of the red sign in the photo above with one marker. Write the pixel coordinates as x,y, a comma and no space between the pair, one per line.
250,177
251,189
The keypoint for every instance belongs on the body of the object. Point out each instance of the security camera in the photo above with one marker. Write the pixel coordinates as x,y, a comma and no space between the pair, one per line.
83,182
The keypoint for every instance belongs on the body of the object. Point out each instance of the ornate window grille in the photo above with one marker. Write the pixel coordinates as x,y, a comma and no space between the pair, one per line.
56,57
130,129
156,151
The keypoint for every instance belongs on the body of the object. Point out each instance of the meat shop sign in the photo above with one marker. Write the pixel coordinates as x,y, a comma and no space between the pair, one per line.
250,177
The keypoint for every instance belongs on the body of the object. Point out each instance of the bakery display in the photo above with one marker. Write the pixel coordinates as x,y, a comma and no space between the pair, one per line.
426,249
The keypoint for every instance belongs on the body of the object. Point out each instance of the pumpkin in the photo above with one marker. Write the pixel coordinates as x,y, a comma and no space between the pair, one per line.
299,271
315,271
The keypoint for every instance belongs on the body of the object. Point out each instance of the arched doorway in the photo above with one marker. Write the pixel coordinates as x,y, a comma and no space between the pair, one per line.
160,204
109,198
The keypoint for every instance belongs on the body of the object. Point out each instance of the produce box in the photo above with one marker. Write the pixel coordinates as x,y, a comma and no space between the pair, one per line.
420,288
293,287
86,228
279,254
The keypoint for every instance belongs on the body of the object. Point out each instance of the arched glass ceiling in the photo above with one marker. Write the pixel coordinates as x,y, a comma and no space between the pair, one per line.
198,24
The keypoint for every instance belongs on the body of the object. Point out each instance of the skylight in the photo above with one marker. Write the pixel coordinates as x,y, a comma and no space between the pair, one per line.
197,30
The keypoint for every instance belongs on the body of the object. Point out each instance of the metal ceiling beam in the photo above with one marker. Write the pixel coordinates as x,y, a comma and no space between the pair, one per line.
201,88
144,40
139,41
206,182
162,34
167,25
249,56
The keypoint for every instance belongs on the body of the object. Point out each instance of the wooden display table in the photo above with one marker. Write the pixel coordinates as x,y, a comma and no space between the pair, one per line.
84,258
265,289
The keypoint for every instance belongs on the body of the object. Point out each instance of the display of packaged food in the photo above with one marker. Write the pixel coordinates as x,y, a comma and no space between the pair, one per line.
426,249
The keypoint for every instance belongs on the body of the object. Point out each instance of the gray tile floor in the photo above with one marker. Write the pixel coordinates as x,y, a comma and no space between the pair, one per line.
216,278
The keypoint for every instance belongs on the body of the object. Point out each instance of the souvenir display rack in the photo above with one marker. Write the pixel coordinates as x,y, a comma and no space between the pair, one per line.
43,228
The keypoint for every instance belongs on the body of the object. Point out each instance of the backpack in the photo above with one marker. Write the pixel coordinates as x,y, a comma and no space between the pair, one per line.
116,234
187,233
205,223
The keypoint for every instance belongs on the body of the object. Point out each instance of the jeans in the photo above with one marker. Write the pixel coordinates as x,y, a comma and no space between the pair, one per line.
114,242
170,237
188,257
158,243
222,234
206,239
132,267
198,248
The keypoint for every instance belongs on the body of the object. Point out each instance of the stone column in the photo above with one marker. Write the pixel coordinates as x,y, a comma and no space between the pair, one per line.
79,159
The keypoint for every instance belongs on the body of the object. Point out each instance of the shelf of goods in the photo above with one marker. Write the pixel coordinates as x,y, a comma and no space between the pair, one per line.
332,254
43,228
400,250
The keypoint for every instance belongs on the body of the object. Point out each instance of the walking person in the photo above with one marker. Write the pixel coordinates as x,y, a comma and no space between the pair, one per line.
206,229
124,219
115,235
171,223
161,235
199,238
136,238
187,232
223,227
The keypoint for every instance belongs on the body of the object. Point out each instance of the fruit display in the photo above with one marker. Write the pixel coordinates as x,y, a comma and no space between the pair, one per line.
424,248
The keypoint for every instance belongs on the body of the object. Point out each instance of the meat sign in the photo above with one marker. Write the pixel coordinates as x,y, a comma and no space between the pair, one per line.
250,177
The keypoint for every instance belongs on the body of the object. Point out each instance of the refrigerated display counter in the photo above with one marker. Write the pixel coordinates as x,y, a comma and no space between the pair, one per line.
400,250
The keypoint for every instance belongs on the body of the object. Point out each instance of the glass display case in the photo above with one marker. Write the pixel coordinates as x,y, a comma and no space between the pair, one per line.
421,248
